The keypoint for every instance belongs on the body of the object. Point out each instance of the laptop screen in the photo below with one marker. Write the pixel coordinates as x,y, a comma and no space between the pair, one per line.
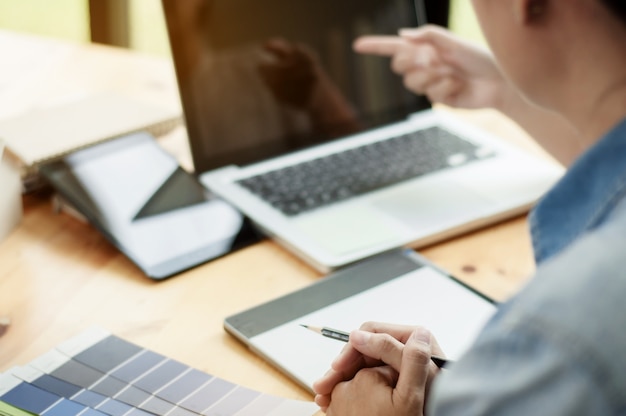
261,78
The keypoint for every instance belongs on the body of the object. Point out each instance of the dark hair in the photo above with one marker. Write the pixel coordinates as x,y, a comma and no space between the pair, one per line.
618,7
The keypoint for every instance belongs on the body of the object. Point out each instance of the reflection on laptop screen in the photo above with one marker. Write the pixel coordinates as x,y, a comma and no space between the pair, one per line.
260,78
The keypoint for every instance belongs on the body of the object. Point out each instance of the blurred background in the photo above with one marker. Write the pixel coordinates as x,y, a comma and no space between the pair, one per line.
137,24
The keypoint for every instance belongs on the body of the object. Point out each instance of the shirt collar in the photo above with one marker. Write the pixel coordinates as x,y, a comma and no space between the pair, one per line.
584,198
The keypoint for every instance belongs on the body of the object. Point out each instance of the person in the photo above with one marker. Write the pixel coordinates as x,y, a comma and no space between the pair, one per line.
557,346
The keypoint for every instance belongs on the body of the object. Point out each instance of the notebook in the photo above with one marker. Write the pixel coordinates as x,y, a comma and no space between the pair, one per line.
398,287
44,134
324,149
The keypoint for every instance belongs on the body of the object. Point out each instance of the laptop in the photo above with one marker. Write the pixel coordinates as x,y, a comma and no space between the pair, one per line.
398,286
324,149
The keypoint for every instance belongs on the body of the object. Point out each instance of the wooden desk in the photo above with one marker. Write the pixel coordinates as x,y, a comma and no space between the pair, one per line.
59,276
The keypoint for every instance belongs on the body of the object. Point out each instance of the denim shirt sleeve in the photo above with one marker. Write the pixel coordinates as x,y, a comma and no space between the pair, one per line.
558,347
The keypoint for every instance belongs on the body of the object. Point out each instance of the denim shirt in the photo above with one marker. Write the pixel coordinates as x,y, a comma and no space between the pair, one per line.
559,346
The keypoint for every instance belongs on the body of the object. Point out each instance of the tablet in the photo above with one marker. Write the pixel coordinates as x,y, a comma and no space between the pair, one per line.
155,212
398,287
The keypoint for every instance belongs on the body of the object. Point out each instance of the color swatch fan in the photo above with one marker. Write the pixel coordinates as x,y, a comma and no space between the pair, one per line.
99,374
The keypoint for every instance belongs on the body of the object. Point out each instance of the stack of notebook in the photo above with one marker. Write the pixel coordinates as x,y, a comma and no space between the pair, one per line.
48,133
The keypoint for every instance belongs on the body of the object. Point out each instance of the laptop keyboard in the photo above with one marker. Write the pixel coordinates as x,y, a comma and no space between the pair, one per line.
318,182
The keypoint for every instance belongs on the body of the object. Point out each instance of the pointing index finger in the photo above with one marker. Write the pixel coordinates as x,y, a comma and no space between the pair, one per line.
379,45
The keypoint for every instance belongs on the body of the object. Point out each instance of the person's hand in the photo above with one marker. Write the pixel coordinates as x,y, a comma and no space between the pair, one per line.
387,364
440,65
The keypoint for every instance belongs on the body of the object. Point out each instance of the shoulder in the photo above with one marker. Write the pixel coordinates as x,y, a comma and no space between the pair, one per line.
576,303
592,264
561,336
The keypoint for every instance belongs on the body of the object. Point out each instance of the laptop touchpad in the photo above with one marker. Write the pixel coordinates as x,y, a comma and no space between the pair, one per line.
342,230
433,206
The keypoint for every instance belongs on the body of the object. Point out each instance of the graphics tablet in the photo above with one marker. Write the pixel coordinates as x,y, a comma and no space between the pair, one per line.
397,287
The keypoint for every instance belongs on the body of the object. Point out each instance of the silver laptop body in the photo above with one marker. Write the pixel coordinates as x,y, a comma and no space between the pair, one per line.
275,84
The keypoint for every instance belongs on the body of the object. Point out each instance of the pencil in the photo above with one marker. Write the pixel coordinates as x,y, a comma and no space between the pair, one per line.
345,336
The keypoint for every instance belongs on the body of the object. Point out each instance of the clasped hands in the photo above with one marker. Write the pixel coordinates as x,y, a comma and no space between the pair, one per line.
384,369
